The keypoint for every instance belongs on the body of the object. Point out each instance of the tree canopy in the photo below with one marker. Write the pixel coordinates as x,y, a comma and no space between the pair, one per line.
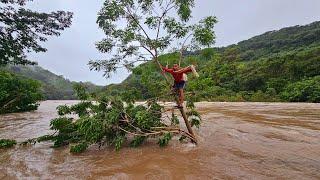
22,29
18,94
140,30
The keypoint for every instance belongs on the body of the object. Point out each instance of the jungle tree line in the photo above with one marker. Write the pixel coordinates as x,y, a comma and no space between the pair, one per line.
21,31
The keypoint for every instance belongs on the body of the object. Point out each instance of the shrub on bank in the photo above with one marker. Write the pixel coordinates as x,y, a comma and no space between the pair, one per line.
18,94
307,90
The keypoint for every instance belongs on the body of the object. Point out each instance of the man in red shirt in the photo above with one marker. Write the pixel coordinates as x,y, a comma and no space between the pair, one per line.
179,81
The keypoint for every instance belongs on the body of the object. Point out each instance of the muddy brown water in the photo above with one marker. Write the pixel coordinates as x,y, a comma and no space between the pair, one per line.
236,141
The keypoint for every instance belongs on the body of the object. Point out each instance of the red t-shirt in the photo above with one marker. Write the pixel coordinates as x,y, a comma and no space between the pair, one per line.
177,75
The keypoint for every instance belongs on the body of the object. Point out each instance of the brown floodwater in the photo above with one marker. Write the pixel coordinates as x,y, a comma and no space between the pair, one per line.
236,141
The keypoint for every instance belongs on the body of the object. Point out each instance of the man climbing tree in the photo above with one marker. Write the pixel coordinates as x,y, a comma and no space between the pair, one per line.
151,27
136,31
179,74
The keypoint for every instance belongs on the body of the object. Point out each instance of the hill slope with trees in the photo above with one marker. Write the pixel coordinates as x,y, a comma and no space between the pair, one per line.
54,87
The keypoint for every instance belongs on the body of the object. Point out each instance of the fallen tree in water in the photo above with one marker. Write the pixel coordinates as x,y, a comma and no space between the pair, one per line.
111,121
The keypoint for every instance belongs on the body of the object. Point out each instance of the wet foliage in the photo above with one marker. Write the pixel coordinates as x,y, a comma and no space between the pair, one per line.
110,121
7,143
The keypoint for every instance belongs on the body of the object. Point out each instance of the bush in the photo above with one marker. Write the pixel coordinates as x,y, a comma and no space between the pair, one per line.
18,94
307,90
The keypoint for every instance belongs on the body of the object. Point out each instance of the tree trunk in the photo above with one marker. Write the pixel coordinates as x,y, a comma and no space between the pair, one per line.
185,118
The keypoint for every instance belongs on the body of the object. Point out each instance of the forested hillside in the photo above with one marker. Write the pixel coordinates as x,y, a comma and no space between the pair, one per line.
282,65
53,86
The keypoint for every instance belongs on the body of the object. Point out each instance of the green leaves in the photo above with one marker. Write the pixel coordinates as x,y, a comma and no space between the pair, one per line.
79,148
164,139
137,141
148,28
7,143
307,90
194,118
22,29
62,124
105,45
184,8
92,129
118,141
203,32
174,119
179,29
63,110
109,121
18,94
152,22
80,91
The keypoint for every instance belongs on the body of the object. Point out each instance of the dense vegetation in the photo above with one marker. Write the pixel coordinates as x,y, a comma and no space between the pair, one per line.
18,93
54,87
281,65
21,31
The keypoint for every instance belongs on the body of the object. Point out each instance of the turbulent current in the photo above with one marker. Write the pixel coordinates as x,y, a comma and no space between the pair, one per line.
236,141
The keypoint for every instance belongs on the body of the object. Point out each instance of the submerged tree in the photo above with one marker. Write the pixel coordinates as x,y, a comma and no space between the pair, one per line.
107,120
22,29
140,30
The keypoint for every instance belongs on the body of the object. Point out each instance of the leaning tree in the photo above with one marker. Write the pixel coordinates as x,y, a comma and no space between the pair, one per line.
141,30
22,30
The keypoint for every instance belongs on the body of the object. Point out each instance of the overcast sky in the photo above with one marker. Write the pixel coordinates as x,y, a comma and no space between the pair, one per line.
69,54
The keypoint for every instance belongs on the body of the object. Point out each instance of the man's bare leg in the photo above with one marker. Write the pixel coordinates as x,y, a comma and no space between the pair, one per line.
181,97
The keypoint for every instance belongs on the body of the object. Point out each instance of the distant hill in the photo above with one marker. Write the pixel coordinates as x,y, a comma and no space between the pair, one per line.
281,65
54,87
278,41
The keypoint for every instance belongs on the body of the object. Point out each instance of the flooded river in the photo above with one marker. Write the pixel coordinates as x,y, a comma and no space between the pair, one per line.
236,141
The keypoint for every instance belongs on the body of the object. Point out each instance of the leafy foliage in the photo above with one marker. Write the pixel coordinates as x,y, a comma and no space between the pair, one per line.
18,94
302,91
22,29
105,120
151,27
164,140
79,148
7,143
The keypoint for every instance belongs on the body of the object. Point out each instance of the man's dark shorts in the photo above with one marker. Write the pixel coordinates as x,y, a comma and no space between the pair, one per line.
179,85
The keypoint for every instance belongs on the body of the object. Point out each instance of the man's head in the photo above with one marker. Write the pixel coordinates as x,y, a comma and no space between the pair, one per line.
176,67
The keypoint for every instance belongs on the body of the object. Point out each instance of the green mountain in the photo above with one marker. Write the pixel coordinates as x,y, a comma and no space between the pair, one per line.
282,65
54,87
